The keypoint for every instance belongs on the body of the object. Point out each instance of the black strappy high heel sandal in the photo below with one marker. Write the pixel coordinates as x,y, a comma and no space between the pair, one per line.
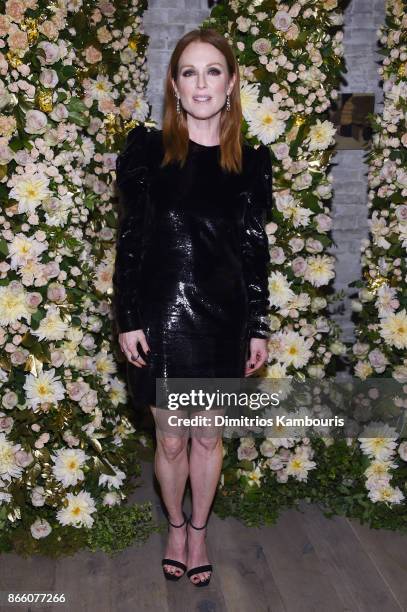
200,568
174,562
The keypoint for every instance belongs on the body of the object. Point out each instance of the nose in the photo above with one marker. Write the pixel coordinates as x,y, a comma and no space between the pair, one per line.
201,80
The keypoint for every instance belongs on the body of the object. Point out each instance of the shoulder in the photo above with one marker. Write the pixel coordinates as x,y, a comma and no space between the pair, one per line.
258,158
140,135
137,152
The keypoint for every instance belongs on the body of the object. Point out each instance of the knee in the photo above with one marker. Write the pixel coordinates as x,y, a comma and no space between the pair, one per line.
206,444
172,446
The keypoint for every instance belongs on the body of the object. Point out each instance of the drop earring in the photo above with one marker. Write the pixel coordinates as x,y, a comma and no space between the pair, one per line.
178,106
228,102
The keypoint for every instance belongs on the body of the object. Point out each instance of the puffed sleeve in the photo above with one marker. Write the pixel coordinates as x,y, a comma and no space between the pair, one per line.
256,255
131,179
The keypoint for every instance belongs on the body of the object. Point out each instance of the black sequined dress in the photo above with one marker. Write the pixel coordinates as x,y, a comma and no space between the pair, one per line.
192,259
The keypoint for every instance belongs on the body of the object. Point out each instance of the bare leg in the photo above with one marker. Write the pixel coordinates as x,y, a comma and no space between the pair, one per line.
205,463
171,469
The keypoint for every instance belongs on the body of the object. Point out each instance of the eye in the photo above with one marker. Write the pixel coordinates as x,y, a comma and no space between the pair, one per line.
188,72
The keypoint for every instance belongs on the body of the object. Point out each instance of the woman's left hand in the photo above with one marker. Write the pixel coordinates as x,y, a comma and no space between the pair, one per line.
258,355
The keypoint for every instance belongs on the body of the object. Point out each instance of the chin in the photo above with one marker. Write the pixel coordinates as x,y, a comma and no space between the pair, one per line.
203,113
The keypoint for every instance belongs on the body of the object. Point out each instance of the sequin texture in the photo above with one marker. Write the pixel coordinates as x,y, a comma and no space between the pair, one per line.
192,259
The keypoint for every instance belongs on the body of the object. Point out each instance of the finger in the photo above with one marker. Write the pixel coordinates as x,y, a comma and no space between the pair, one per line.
134,350
132,358
133,355
144,344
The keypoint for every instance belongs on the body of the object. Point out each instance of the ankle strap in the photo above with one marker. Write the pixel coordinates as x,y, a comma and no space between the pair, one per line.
183,522
190,522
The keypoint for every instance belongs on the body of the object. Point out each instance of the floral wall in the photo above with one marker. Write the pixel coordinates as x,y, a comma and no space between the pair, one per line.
72,82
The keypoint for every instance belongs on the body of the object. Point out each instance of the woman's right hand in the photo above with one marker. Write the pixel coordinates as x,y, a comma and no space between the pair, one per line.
128,343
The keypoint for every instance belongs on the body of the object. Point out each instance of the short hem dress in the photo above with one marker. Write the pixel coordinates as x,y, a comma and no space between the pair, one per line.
192,259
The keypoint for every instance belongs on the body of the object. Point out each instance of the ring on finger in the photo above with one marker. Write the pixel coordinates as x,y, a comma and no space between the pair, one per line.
135,357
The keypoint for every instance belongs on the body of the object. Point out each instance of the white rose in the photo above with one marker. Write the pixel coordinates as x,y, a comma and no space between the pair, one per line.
111,499
59,112
49,78
9,400
40,529
282,21
52,52
324,223
23,458
38,496
402,450
35,122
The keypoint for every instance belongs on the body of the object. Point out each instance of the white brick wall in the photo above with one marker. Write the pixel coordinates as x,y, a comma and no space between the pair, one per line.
166,21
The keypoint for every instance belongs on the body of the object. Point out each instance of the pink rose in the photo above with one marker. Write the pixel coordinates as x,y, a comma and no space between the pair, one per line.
33,299
92,55
6,424
19,356
324,223
23,458
299,266
401,212
282,21
77,390
56,292
57,358
9,400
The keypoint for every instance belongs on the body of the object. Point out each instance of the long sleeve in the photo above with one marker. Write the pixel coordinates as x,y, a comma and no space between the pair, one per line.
131,178
256,253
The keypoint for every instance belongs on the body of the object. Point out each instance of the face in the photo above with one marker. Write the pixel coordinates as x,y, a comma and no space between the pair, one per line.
203,80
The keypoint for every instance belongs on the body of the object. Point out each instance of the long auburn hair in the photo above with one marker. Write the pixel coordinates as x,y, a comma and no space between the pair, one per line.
175,131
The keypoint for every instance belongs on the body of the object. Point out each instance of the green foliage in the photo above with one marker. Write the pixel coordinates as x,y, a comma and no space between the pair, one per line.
118,527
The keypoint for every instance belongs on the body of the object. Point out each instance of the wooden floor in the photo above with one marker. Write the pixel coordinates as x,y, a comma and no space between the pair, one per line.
304,563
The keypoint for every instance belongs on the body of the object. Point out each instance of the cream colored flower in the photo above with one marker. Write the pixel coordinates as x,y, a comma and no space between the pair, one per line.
319,270
24,248
9,467
30,191
104,275
13,305
254,476
105,363
363,369
46,387
79,510
51,327
117,393
112,482
68,465
320,135
299,466
378,441
379,468
279,288
394,329
295,349
249,98
265,123
386,493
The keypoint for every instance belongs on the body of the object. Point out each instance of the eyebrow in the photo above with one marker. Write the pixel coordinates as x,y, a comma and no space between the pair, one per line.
191,66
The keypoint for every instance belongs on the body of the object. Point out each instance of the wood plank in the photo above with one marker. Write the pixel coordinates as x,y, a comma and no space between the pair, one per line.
354,576
388,551
138,581
33,575
298,571
183,596
240,563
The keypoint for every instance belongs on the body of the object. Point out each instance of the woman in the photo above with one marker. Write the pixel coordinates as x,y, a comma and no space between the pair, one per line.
191,278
